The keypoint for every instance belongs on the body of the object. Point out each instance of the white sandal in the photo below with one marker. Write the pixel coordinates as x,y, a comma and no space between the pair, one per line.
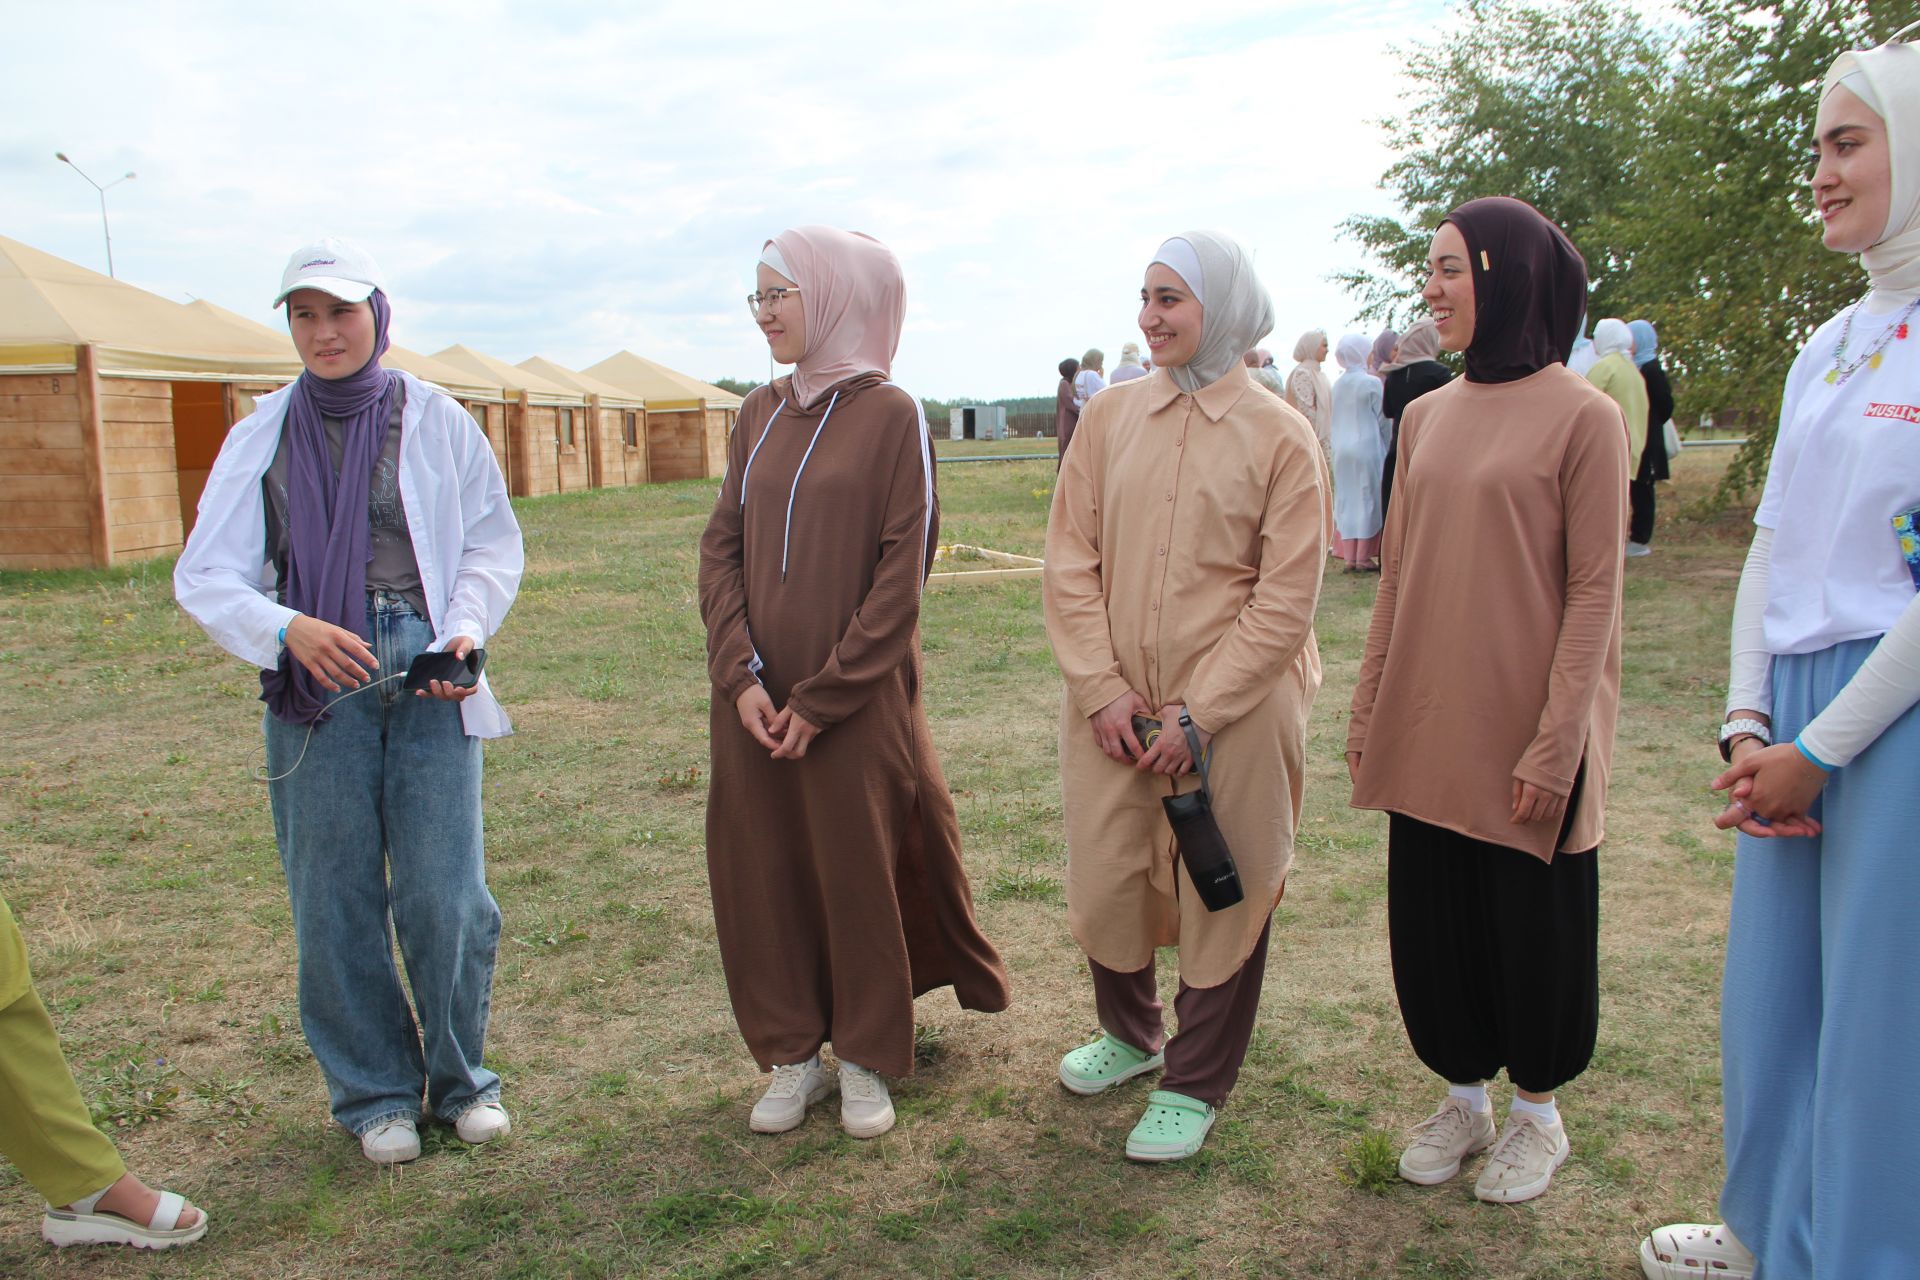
1694,1249
85,1223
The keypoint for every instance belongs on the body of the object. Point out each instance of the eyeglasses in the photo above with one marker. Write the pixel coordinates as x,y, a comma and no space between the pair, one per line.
769,301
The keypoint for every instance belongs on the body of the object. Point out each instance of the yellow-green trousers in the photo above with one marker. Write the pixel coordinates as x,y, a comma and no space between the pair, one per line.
45,1131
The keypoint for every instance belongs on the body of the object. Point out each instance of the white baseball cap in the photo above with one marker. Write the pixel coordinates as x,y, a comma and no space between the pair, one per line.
331,265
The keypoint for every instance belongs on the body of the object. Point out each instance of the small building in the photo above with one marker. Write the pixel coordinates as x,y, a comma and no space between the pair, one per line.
688,421
616,430
113,401
547,425
977,422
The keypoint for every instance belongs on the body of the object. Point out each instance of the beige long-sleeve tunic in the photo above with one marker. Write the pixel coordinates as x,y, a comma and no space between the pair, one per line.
1494,651
1184,554
838,889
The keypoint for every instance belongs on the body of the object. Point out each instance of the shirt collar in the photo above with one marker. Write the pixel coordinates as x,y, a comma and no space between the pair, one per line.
1214,399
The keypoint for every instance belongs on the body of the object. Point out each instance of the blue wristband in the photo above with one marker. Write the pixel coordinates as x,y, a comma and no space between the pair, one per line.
1813,759
283,637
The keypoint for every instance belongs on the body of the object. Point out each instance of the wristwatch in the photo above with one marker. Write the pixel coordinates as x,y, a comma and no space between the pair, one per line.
1742,728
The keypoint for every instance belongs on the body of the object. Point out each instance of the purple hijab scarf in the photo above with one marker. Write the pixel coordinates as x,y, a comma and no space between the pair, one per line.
329,537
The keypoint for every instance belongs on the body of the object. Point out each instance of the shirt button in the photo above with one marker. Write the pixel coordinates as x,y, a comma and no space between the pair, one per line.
1169,495
1162,551
1155,605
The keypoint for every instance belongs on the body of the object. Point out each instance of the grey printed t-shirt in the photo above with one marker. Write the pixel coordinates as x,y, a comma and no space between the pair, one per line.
393,567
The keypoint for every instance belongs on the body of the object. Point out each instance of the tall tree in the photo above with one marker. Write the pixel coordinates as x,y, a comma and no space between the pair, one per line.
1675,157
1540,99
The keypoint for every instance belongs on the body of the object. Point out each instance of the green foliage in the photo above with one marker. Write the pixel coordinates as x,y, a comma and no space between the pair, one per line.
1373,1163
1674,155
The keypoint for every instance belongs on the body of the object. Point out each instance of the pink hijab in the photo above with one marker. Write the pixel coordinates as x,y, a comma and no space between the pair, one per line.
855,301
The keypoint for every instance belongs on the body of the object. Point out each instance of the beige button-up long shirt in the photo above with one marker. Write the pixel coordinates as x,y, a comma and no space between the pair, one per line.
1184,554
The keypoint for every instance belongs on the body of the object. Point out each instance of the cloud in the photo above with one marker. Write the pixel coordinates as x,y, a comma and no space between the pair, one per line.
569,178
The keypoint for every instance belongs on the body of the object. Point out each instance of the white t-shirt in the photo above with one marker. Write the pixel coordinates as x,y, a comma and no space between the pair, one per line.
1846,462
1085,384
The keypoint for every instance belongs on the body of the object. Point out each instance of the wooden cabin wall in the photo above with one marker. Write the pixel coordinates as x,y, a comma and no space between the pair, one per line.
44,507
143,482
676,445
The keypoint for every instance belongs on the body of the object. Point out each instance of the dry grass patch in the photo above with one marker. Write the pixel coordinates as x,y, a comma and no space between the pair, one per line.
140,859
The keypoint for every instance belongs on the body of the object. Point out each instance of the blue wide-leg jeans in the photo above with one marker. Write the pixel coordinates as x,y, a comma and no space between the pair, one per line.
1820,1020
380,822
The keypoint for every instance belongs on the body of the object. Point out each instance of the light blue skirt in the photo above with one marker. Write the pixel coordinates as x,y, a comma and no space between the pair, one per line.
1820,1013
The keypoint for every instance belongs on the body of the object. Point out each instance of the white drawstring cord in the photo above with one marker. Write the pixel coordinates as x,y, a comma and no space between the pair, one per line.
786,537
259,772
747,470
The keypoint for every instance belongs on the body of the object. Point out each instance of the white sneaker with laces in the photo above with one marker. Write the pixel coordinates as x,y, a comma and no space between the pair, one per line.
483,1123
794,1089
1523,1161
1443,1140
1637,549
1695,1249
866,1108
395,1142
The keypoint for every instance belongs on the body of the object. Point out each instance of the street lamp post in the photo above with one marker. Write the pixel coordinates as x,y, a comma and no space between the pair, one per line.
105,229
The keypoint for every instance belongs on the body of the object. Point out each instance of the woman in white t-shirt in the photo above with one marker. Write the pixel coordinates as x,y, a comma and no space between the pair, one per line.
1819,1025
1089,380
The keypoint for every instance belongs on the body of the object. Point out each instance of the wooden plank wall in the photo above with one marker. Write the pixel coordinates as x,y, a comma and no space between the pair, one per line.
492,419
719,428
676,446
575,459
43,485
143,481
530,431
633,457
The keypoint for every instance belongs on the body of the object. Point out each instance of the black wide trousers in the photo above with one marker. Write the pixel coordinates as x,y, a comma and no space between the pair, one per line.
1495,956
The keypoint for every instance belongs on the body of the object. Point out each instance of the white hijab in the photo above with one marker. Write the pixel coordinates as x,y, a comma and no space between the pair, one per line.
1235,309
1353,351
1612,337
1887,79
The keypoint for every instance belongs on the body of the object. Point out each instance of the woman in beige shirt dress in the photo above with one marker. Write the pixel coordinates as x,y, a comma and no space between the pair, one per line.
1484,713
1184,555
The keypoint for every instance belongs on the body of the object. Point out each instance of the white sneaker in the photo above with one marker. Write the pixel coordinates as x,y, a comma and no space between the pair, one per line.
1637,549
866,1109
1523,1161
794,1089
395,1142
1695,1249
1444,1139
483,1123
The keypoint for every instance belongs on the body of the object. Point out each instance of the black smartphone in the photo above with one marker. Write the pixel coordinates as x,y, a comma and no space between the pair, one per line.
462,673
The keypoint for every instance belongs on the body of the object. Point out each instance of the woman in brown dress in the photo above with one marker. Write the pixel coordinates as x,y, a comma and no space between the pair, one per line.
832,844
1483,717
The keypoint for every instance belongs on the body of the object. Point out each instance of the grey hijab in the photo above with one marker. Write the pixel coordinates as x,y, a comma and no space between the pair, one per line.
1237,312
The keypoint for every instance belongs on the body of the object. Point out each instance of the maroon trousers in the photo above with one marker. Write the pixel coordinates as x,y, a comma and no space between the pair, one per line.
1216,1023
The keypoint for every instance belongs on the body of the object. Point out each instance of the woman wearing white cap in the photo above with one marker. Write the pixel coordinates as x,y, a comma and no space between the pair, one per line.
354,521
1184,554
1819,1025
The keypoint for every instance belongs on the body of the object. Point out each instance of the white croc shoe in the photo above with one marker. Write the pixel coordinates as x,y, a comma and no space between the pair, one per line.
1695,1249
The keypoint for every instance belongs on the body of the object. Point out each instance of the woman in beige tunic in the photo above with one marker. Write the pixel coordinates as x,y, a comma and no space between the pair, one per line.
832,845
1184,554
1484,713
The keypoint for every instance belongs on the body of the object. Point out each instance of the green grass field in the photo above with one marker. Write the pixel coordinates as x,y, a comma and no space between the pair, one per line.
139,856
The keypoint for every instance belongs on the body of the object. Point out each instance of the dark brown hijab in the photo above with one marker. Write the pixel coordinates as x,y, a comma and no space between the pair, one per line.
1529,289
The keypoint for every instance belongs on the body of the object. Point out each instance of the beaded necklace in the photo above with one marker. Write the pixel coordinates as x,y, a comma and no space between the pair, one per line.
1870,358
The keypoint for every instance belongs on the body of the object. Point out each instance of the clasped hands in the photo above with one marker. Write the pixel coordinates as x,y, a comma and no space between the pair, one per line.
784,732
1169,754
1769,790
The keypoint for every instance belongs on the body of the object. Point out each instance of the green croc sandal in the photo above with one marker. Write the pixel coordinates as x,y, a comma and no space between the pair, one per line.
1172,1129
1098,1067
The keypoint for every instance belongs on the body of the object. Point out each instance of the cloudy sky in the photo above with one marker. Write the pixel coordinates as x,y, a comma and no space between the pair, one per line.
568,178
